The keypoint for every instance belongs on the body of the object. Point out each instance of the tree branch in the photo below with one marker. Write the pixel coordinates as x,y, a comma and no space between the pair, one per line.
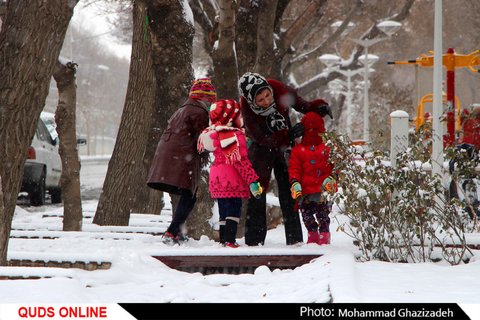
298,25
316,52
204,13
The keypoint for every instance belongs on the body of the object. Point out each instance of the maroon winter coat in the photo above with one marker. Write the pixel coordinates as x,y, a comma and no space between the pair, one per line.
176,163
285,98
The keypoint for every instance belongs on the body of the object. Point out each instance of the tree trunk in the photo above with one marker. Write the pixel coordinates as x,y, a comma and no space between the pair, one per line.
266,24
114,205
64,75
224,59
172,49
148,200
197,223
26,68
246,36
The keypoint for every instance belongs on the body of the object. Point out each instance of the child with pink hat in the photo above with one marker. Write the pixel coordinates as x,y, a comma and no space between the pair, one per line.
232,177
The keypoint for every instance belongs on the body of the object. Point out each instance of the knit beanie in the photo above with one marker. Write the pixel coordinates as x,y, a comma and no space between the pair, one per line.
314,128
313,121
203,89
225,111
249,85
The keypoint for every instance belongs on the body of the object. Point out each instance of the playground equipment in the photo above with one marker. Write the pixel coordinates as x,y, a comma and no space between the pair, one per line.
450,61
428,98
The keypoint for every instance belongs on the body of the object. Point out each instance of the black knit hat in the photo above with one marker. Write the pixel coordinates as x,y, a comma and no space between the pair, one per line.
250,84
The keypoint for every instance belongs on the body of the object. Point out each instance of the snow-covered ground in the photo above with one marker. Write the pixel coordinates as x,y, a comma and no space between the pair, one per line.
135,276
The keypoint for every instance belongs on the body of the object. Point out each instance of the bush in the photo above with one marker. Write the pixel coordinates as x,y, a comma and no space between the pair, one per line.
397,214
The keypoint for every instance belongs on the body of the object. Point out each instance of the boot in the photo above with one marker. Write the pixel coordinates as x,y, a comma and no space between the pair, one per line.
313,237
324,238
222,233
231,233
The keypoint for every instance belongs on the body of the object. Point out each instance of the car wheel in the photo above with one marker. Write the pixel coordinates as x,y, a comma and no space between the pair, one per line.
56,195
37,196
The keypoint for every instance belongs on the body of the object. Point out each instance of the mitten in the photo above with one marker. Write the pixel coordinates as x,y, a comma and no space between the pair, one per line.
297,131
296,189
323,110
256,189
330,185
249,142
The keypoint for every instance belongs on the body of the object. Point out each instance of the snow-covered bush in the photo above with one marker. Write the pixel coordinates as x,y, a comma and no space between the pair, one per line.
397,214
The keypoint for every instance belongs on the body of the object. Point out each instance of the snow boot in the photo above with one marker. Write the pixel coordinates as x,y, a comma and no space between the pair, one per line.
169,239
313,237
231,233
181,238
324,238
231,245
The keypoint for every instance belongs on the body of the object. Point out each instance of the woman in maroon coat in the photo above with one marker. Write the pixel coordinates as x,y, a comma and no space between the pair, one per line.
265,106
176,165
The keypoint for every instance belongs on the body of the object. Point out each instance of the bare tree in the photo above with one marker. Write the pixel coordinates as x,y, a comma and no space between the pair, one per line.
30,42
224,59
167,51
64,75
265,36
114,206
246,36
372,32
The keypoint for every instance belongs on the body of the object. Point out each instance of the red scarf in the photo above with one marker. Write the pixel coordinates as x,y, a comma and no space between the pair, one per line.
228,143
230,146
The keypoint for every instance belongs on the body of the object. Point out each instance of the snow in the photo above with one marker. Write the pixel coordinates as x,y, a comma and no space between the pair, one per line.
187,12
135,276
398,114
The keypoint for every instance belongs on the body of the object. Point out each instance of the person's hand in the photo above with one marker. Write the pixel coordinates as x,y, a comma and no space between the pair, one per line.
324,109
330,185
249,142
296,131
296,189
256,189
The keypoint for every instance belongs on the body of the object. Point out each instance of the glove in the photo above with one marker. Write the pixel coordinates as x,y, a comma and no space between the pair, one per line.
249,142
256,189
323,110
330,185
296,131
296,189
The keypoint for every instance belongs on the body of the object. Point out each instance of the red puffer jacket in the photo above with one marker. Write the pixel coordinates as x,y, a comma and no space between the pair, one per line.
309,165
308,162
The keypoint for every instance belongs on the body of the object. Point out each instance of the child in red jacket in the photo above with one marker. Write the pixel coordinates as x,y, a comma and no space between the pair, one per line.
231,175
310,175
471,127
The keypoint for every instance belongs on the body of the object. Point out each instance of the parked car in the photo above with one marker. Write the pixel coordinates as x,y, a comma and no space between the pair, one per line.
43,167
